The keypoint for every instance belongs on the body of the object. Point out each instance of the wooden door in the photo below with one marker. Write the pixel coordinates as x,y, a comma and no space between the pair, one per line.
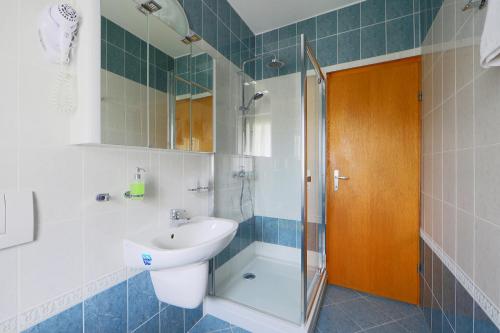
373,137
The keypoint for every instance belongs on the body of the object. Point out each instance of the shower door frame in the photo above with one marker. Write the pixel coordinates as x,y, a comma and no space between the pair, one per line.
306,52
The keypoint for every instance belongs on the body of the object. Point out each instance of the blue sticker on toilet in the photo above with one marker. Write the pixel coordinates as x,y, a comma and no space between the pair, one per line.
146,258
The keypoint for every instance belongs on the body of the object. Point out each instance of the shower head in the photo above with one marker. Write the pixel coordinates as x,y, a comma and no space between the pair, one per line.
258,95
275,63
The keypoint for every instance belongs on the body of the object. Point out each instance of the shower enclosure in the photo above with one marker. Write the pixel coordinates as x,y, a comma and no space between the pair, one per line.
274,185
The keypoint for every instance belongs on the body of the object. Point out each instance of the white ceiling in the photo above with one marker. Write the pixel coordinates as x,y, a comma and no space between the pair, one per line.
266,15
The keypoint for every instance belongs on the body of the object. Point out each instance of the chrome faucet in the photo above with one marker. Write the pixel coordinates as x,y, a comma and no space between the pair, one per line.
178,216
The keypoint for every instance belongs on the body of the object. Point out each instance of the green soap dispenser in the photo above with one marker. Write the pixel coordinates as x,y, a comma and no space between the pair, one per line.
137,187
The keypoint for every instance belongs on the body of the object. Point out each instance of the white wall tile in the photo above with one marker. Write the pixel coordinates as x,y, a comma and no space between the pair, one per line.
487,177
465,242
449,113
465,180
437,221
449,177
437,176
465,114
52,265
170,188
56,177
8,283
487,106
104,172
103,234
449,230
9,167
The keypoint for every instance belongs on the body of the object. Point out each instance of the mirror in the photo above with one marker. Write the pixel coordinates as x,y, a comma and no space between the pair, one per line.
156,91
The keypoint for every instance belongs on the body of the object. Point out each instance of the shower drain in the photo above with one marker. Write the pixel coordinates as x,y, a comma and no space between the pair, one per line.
249,276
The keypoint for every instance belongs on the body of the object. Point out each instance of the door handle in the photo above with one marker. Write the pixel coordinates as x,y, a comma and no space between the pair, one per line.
336,178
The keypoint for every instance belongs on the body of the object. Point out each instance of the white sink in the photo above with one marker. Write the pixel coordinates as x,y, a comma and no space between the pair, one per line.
178,257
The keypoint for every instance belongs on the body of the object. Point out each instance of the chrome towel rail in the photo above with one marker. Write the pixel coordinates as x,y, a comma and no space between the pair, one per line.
475,3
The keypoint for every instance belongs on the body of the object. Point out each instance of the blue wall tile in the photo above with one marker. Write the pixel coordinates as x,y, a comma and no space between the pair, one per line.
400,34
287,233
103,27
348,46
483,324
151,326
142,301
270,230
235,23
224,12
437,278
115,59
104,64
308,28
172,319
132,44
437,317
270,41
326,24
327,50
69,321
287,36
464,310
194,13
209,26
349,18
373,41
132,68
449,282
223,40
115,34
372,11
191,317
427,304
268,72
212,4
289,57
107,311
235,50
398,8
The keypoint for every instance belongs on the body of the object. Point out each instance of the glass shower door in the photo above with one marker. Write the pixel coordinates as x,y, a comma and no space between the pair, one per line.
313,216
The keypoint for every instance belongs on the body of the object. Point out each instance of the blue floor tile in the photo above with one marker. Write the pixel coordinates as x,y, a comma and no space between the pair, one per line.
386,328
414,324
364,313
395,310
335,295
333,320
210,324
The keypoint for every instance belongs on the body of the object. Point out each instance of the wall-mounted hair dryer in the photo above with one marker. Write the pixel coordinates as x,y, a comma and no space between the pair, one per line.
57,31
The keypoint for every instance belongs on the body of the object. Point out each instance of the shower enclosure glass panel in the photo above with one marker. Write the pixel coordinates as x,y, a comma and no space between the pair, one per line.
315,112
276,259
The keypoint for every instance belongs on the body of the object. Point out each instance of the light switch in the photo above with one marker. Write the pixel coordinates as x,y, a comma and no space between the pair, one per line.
17,218
3,214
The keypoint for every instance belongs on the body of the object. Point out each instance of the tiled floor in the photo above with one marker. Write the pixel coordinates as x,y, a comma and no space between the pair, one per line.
209,324
347,311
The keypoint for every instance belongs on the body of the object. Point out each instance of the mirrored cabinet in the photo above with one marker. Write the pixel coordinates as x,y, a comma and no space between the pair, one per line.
156,89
